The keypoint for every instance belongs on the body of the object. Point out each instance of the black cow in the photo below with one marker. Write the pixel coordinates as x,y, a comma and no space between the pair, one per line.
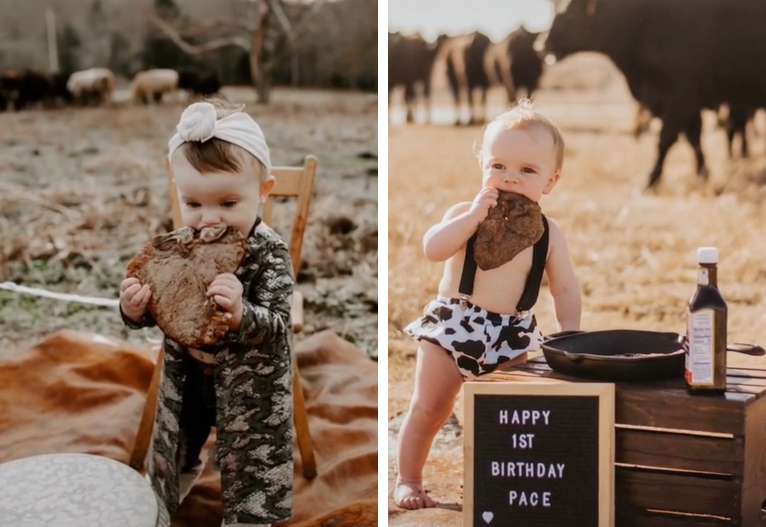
8,88
207,85
25,88
410,62
526,62
198,84
735,124
678,57
471,75
187,79
59,92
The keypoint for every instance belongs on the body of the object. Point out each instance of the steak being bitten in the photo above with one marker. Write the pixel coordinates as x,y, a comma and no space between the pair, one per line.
179,267
513,225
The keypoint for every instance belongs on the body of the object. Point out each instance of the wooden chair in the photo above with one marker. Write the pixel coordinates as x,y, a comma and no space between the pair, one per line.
297,182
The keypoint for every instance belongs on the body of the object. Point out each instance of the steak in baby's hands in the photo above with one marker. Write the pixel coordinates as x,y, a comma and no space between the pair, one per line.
513,225
179,267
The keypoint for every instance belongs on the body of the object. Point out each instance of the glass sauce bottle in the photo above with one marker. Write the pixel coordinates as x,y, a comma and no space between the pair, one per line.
705,370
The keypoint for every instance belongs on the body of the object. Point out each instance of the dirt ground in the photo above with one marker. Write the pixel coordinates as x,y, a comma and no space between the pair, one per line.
81,190
634,251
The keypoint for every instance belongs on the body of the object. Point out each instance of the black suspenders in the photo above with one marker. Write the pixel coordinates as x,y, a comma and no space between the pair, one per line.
535,278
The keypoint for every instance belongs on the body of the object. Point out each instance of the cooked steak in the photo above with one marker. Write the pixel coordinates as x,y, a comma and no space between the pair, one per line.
513,225
179,267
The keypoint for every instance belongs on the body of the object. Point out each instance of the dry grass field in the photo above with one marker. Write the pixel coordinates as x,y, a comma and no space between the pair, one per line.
634,251
82,189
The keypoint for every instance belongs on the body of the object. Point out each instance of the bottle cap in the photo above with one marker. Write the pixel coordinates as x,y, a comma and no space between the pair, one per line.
707,255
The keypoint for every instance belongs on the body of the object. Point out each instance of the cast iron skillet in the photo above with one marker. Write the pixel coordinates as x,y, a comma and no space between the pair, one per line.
623,354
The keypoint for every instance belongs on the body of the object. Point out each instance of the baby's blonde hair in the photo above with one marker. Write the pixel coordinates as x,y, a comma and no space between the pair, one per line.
523,116
219,155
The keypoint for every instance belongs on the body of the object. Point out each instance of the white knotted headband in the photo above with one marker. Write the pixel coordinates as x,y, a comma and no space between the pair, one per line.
199,123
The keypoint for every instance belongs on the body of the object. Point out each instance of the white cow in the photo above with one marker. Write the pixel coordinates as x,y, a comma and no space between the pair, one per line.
92,85
152,84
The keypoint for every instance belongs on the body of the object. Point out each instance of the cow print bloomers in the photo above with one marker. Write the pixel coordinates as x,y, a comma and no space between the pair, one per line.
478,340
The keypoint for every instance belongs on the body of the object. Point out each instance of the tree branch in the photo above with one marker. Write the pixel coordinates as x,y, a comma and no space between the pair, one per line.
202,27
279,12
213,45
304,19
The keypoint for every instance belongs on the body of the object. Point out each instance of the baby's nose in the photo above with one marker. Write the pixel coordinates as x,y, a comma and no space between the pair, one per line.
210,218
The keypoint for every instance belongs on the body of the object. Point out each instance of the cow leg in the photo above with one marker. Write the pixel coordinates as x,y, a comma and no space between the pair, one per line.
454,86
427,100
641,121
730,137
409,101
472,114
738,123
745,149
668,136
693,132
483,117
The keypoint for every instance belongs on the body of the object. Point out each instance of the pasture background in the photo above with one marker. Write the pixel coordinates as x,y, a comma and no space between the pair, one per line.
337,47
634,251
82,189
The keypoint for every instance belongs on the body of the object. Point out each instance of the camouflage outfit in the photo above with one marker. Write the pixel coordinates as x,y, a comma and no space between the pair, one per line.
252,378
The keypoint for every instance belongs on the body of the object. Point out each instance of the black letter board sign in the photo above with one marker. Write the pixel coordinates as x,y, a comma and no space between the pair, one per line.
538,454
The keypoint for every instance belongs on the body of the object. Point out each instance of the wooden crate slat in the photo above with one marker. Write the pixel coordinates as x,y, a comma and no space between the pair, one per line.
636,488
740,371
660,425
649,519
678,410
679,451
721,414
754,481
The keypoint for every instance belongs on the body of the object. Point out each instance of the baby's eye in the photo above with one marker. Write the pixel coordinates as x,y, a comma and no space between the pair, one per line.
529,170
192,204
229,204
498,166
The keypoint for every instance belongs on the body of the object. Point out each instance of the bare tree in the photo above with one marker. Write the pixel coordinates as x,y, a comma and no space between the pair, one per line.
251,35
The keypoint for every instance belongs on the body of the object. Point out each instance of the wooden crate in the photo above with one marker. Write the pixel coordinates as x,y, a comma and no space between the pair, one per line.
683,460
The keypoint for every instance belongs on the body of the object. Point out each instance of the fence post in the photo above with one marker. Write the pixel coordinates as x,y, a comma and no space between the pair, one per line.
53,54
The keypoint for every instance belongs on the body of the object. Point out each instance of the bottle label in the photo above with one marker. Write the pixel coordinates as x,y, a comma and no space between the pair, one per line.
702,277
701,336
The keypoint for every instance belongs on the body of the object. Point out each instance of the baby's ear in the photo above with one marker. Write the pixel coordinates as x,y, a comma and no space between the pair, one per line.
267,186
551,182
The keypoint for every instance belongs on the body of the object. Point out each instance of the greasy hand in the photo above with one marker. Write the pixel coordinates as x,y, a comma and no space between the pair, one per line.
227,290
134,298
484,200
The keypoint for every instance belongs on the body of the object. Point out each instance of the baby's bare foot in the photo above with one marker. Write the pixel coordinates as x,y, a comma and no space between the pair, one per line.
411,496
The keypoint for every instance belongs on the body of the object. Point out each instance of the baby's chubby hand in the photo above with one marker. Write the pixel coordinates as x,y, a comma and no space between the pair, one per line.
484,200
227,291
134,298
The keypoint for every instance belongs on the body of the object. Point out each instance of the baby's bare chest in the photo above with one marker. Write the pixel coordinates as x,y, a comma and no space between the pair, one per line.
509,276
